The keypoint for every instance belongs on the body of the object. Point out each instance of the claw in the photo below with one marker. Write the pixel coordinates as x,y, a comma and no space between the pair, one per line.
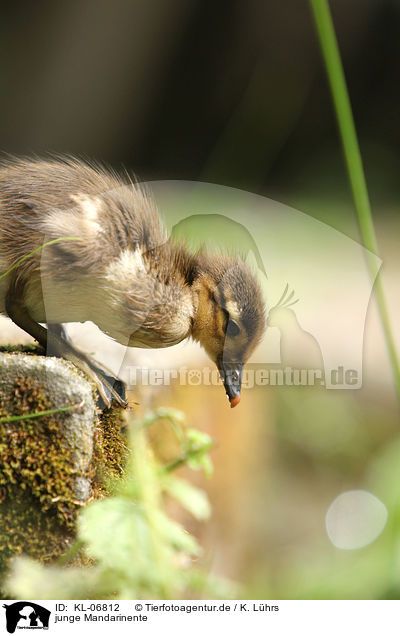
103,381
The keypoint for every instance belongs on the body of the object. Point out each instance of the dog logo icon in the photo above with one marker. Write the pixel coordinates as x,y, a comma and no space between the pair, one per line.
26,615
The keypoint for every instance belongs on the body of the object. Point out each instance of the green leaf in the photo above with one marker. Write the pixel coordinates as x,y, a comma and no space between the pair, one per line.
191,498
30,579
177,536
116,534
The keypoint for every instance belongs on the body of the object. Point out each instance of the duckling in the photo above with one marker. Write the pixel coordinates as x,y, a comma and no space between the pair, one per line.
107,258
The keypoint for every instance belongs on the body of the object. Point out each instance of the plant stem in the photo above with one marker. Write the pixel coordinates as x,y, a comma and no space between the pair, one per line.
30,416
341,100
38,249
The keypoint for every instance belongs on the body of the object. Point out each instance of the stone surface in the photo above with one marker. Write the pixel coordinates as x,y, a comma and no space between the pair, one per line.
52,465
54,383
47,465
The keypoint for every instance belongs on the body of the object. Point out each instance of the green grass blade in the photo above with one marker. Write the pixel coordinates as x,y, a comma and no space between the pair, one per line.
341,100
38,249
30,416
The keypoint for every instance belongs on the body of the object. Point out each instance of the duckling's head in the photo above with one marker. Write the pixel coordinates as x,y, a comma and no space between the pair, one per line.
230,317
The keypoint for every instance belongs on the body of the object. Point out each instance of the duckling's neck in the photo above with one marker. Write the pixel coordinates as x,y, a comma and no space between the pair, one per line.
165,298
203,307
188,287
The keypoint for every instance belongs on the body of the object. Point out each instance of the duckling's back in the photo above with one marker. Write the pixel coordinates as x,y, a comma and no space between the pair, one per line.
67,199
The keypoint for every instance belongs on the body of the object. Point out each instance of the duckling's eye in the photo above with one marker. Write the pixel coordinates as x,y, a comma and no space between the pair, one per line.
232,329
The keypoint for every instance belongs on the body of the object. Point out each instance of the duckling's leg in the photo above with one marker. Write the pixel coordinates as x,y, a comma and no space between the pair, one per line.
17,311
58,331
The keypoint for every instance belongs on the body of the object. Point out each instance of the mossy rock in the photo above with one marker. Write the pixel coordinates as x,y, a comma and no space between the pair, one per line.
50,466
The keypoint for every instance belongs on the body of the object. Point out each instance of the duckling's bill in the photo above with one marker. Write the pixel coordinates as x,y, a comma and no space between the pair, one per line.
231,375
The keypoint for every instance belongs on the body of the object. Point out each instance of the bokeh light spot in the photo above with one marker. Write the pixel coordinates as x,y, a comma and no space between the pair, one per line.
355,519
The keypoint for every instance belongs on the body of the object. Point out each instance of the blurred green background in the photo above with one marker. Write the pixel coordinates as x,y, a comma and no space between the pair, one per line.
235,93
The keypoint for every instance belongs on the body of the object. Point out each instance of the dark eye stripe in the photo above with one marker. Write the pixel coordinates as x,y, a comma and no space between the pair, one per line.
232,329
226,314
219,298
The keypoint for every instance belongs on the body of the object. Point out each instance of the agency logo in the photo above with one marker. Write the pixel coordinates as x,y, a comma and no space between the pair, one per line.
26,615
316,284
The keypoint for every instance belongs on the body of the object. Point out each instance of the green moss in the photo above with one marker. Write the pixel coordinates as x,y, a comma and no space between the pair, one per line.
38,509
27,530
33,453
33,349
36,479
110,449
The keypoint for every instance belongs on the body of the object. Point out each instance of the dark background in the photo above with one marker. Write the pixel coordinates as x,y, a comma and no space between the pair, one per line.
231,92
